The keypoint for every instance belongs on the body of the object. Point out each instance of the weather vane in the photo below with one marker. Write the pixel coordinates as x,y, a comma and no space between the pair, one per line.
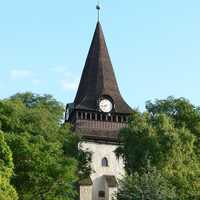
98,9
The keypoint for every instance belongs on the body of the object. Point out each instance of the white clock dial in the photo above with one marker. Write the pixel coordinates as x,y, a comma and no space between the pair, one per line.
105,105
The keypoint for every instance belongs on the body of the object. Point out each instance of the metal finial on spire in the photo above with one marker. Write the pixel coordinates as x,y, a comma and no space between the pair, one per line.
98,9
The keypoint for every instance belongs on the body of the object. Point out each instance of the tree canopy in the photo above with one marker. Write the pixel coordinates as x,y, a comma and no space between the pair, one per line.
45,152
7,191
40,159
167,136
150,184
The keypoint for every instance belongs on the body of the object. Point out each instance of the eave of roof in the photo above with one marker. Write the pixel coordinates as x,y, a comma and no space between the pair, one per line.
86,182
111,181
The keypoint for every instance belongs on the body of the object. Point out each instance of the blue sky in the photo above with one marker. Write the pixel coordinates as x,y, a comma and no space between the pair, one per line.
154,45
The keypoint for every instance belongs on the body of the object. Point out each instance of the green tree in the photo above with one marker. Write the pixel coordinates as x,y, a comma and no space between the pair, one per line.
180,111
38,115
148,184
41,168
83,157
7,191
167,135
45,152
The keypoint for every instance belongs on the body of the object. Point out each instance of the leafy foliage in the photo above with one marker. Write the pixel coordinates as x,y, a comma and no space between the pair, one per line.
7,191
41,168
149,184
40,115
45,152
84,157
180,111
167,135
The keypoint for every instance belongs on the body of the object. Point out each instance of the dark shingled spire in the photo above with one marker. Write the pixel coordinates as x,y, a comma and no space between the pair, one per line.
98,78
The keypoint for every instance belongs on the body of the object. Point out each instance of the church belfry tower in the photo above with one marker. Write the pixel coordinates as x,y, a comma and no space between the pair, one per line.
99,110
97,114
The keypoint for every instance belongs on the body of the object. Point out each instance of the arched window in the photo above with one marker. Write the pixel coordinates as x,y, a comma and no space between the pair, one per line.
93,116
125,119
103,117
98,117
88,116
104,162
101,194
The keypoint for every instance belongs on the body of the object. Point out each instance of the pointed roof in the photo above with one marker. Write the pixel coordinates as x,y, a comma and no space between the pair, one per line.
98,78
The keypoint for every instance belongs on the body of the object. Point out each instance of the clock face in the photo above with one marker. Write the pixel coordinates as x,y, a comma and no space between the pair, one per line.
105,105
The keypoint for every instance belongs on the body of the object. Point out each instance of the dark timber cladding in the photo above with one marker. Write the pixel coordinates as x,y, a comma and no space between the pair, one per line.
98,78
98,81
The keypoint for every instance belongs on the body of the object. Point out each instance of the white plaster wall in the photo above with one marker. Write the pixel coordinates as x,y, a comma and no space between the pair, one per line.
112,192
116,166
85,192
